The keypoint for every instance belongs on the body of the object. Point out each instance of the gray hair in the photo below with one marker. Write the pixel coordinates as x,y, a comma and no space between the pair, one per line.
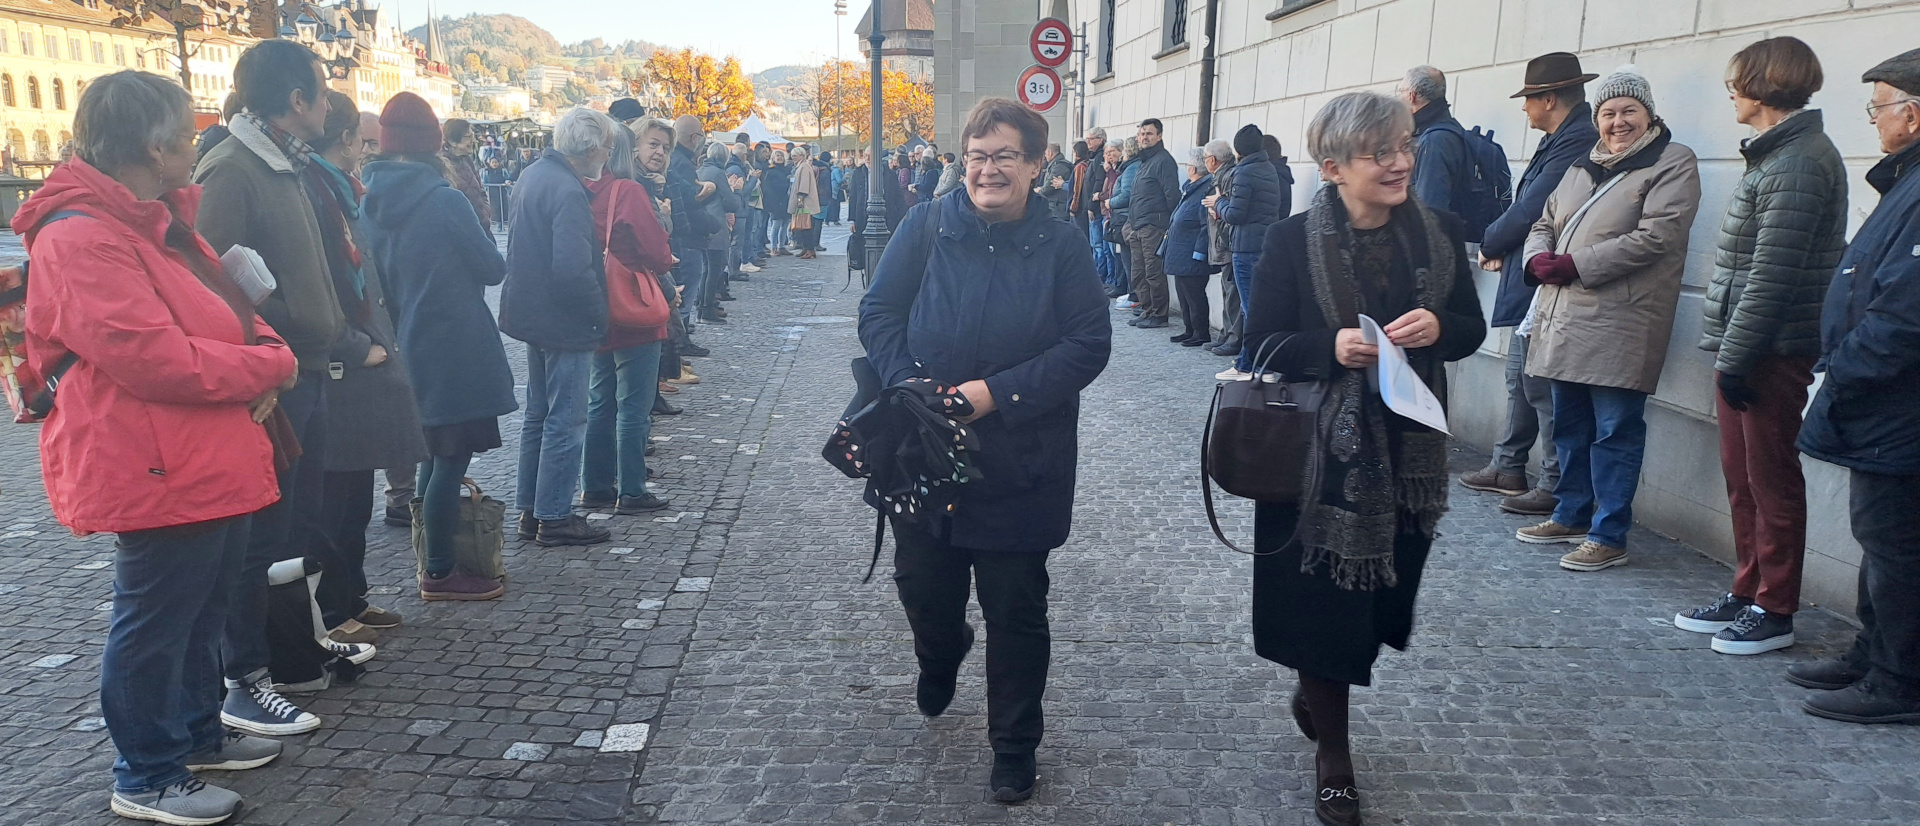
125,115
645,125
620,155
580,131
1055,149
1358,123
1197,157
779,156
1427,83
719,153
1220,150
1097,132
1129,148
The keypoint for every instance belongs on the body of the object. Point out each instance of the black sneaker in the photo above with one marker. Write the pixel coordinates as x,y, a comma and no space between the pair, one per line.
1714,618
695,350
399,517
1825,675
1013,777
1755,632
644,503
661,408
1873,699
934,691
570,530
529,527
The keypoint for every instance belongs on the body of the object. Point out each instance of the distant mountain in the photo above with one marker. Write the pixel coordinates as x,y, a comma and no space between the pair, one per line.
505,46
767,84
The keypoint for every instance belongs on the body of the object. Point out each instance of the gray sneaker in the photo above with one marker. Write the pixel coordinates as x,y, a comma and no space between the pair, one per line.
235,752
190,802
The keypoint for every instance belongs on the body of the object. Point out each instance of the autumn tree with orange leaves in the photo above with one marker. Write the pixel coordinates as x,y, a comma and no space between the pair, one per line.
695,83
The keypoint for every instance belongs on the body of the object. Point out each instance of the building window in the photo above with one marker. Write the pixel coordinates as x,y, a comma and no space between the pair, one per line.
5,44
73,49
33,92
1107,17
42,145
140,59
99,52
16,144
6,90
120,55
26,44
59,94
53,47
1291,6
1173,30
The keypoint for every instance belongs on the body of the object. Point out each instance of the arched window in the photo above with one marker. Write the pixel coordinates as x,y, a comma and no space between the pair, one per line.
6,90
17,144
65,137
59,94
33,92
42,146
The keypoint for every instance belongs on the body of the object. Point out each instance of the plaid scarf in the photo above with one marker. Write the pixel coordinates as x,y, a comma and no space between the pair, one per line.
295,151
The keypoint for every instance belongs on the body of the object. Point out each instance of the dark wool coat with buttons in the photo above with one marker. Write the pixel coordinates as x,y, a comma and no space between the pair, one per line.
1018,305
1783,234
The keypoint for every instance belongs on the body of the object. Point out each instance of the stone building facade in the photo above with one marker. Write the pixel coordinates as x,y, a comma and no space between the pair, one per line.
1280,60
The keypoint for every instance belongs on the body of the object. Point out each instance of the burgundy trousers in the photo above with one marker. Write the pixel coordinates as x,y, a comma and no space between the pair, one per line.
1765,487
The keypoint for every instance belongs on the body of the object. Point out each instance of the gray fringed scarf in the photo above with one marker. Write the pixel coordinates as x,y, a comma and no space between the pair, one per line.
1369,491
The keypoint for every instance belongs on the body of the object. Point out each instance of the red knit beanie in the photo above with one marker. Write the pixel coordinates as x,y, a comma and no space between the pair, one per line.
408,127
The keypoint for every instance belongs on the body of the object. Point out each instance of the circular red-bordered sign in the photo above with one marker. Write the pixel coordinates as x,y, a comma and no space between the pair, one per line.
1051,41
1039,88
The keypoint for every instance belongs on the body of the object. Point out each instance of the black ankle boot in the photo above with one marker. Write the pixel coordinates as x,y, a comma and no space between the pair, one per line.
1013,777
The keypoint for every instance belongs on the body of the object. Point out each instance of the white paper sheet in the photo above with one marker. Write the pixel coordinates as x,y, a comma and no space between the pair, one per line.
1400,387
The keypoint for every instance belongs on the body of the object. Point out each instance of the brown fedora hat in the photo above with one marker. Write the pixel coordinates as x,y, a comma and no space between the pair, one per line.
1551,71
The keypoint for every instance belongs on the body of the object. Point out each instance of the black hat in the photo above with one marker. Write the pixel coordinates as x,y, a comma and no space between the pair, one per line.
626,109
1247,140
1900,71
1554,70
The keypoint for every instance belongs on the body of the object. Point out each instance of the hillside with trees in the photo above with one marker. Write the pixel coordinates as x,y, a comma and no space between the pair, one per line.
505,46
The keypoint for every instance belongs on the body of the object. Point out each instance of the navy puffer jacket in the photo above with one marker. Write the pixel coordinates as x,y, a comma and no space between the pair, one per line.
1254,203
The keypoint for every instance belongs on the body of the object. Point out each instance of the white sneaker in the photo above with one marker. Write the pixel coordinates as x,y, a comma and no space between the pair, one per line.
1230,374
1122,303
749,268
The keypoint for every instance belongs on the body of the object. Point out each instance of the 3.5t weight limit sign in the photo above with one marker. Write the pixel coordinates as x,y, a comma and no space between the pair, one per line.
1051,42
1039,88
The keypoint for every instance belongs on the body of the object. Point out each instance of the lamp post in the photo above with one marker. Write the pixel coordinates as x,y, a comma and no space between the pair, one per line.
839,11
876,231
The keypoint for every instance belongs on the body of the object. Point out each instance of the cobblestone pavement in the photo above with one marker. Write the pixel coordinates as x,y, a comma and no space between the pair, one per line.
776,688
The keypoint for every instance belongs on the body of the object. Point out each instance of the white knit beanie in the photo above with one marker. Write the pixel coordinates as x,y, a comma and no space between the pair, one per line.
1626,82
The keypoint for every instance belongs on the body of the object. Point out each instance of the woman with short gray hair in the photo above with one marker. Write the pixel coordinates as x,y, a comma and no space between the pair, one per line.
165,377
1343,565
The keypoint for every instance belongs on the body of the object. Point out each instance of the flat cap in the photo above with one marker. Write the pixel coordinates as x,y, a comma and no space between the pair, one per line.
1901,72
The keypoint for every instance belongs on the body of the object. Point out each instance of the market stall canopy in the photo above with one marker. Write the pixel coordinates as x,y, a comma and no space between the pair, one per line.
755,129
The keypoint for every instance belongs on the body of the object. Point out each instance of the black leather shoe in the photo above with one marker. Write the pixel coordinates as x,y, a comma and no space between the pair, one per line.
1825,675
1871,700
934,692
646,503
695,350
571,530
399,517
1338,802
528,527
711,319
724,297
661,408
1152,322
1301,717
1193,342
590,500
1013,777
1181,339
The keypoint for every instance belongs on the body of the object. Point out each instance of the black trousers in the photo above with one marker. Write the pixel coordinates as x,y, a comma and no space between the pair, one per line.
1886,521
1193,306
933,579
346,508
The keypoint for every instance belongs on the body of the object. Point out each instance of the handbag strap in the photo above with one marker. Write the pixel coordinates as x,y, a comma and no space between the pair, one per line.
1314,465
474,489
1566,230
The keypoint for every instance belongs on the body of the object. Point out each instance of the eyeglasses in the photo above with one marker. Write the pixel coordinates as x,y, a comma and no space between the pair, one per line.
1385,156
1873,109
1000,160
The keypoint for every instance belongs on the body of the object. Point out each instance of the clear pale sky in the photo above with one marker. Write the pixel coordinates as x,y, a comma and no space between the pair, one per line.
762,33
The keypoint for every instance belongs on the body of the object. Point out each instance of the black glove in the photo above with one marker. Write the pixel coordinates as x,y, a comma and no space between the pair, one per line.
1735,390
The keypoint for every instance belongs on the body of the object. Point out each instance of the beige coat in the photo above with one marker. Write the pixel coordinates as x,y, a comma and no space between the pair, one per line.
1611,326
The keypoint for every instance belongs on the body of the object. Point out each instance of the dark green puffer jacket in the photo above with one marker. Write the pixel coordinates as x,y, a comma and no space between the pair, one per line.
1784,233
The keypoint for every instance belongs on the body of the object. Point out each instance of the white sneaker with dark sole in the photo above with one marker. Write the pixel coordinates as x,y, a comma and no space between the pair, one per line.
354,652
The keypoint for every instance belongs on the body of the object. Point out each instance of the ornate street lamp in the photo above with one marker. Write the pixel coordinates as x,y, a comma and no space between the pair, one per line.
877,231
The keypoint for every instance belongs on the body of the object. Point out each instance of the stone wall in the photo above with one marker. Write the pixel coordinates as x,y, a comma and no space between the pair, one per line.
1277,73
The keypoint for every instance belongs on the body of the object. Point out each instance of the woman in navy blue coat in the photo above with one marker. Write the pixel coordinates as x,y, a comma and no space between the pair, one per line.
999,299
1186,253
438,262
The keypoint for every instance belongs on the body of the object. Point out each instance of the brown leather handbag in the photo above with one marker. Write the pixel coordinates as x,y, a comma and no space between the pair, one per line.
1262,439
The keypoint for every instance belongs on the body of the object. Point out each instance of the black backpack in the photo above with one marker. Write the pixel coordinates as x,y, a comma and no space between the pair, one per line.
1488,191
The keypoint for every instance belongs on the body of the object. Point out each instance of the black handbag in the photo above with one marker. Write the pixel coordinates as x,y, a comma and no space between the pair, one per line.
1262,441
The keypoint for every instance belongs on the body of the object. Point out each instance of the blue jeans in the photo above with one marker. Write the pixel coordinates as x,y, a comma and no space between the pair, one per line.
282,530
778,223
620,420
691,275
1601,436
553,431
160,684
440,491
1243,279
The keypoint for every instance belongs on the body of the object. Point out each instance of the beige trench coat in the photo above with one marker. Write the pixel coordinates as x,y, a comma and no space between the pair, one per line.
1611,326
